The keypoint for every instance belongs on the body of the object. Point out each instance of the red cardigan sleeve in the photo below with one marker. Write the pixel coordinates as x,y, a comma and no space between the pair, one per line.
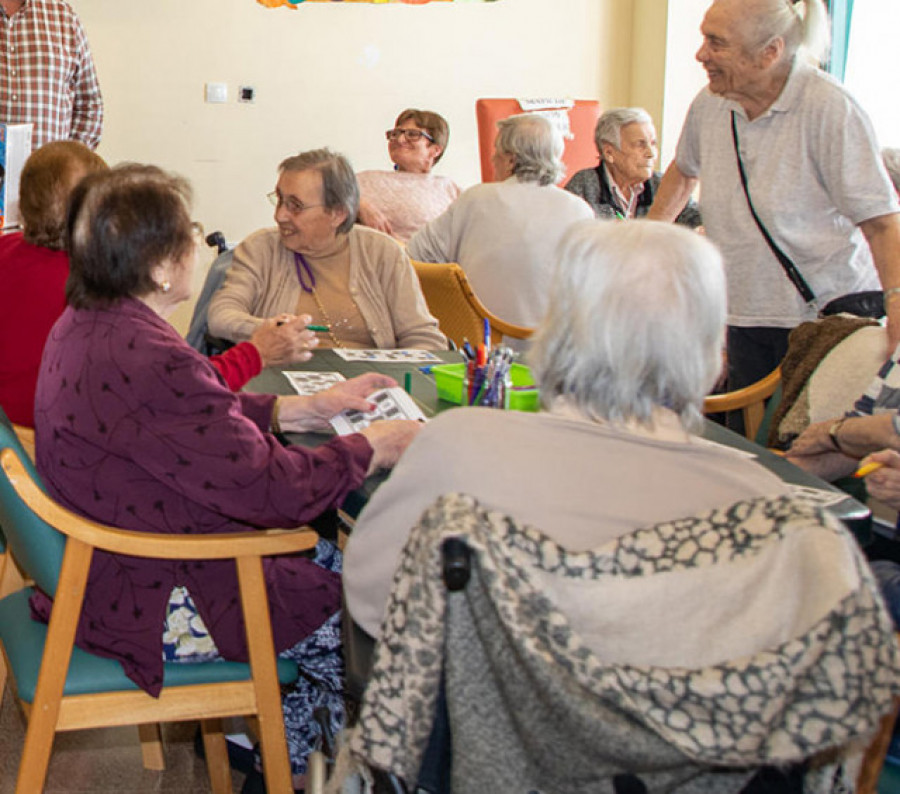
238,365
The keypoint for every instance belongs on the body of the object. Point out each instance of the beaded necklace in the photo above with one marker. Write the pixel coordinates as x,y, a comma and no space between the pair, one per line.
302,266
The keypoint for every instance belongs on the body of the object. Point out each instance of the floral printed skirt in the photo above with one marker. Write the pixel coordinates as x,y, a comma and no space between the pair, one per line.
319,657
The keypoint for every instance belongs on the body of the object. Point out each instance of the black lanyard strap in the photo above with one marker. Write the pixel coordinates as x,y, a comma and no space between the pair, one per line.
790,269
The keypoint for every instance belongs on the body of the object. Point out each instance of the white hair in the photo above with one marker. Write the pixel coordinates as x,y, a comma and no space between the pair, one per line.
609,125
636,321
536,146
807,29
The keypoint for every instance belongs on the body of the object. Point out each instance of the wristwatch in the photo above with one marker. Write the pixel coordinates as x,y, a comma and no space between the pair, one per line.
833,434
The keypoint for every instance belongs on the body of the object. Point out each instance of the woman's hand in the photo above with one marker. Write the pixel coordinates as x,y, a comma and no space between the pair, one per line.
369,215
284,340
884,484
389,440
301,413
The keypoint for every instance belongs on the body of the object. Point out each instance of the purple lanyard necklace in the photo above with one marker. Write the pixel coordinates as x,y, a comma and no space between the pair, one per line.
300,260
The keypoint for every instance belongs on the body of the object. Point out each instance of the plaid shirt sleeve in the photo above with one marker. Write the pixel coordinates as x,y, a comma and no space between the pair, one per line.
47,74
87,102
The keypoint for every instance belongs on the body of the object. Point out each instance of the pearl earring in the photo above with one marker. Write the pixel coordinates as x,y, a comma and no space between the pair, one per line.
166,285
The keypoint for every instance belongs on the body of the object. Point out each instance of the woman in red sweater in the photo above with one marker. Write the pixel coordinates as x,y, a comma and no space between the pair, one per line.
34,268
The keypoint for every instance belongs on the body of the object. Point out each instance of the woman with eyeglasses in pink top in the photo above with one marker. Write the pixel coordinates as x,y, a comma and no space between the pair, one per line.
401,201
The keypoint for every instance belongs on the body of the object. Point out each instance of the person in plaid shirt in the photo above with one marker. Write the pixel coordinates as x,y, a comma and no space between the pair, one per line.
47,75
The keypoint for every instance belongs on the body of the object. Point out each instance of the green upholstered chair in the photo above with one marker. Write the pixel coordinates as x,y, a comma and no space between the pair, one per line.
54,547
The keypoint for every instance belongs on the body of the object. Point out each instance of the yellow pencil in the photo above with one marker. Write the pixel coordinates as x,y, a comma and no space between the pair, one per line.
867,468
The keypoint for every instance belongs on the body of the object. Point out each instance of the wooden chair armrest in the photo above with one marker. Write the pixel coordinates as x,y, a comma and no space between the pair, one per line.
738,398
262,542
26,438
505,328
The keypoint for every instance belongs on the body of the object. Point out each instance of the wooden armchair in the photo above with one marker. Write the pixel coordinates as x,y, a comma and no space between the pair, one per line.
54,547
452,300
751,400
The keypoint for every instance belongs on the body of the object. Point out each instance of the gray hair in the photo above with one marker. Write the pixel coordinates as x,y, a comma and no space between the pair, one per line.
340,190
536,145
636,321
609,125
891,158
770,19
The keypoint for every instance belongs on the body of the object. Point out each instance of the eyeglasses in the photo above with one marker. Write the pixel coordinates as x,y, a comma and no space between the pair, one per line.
291,204
411,135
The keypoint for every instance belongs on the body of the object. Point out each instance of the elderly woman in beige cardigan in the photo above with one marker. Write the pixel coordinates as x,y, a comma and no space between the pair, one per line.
356,282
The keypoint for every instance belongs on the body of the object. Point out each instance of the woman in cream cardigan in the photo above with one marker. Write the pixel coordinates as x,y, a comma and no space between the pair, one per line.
354,281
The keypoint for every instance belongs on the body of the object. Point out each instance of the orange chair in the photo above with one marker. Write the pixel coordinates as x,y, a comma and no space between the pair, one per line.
580,151
460,314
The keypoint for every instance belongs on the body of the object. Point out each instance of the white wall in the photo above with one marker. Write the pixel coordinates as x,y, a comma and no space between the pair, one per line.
683,76
326,74
666,76
871,66
332,74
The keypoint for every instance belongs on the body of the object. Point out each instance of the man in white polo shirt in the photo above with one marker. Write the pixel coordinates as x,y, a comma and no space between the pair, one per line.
814,175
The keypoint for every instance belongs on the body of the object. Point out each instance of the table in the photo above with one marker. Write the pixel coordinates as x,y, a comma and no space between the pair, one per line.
271,381
854,514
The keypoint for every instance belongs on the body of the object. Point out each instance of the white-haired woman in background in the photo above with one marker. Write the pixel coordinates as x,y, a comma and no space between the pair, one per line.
629,347
624,183
503,233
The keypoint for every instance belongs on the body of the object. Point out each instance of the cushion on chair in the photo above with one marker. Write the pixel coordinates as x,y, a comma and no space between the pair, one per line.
23,640
40,549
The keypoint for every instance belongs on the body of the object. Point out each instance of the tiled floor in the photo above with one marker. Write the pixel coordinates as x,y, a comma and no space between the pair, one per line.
109,760
106,760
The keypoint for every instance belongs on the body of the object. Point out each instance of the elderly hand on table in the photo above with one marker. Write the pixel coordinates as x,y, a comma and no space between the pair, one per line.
312,412
284,340
814,451
832,449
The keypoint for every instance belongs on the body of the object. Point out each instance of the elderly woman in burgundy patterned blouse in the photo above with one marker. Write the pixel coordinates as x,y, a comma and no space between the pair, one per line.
136,429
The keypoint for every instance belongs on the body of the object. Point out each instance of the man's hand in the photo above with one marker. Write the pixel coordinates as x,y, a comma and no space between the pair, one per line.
815,440
284,340
813,451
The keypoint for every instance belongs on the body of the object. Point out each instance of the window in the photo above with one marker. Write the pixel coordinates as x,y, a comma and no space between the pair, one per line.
871,63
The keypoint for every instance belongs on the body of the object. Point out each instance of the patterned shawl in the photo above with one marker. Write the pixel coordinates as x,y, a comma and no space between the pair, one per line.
770,645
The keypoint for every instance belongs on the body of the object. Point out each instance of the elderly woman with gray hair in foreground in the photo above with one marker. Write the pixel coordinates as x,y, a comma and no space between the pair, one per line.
617,561
629,347
624,183
503,233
